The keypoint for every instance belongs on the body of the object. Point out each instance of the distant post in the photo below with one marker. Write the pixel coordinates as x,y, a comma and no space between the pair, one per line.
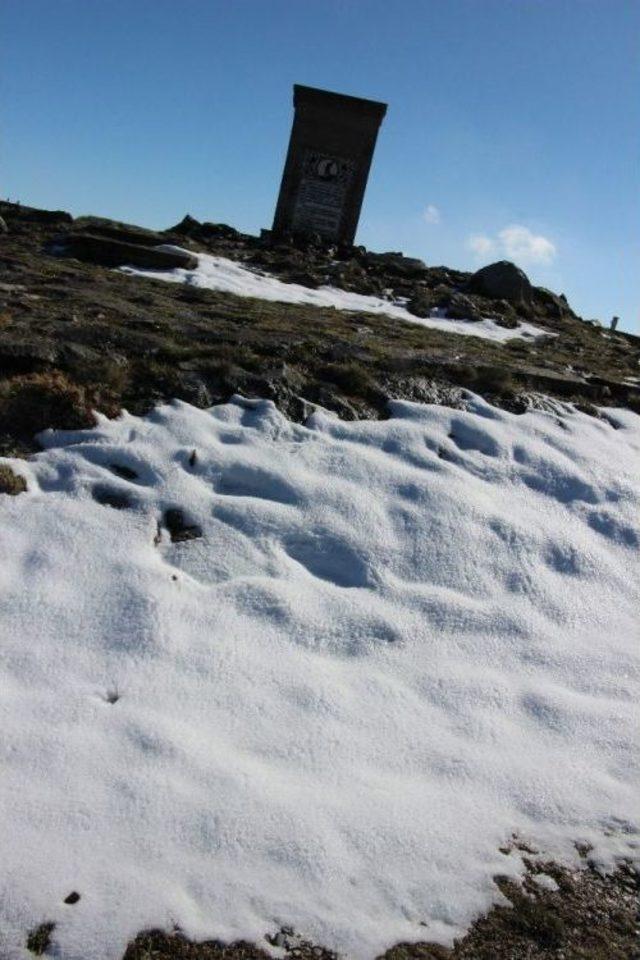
614,323
327,166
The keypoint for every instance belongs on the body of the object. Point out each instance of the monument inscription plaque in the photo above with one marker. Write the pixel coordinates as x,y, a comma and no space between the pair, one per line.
325,174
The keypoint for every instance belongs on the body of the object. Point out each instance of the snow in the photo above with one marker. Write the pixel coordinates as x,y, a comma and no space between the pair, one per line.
395,645
228,276
545,882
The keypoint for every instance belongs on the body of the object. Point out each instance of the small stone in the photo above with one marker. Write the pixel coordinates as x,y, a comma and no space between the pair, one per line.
463,308
72,898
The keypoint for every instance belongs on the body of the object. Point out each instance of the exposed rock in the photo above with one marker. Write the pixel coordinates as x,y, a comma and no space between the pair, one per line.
502,281
442,295
187,227
463,308
218,231
114,253
192,228
3,226
16,212
193,389
396,264
352,277
507,320
550,303
98,226
305,278
421,303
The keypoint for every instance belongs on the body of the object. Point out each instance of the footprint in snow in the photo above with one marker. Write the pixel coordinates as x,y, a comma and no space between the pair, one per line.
108,497
178,526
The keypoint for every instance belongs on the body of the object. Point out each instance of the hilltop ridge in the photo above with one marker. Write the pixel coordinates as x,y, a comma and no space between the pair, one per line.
83,335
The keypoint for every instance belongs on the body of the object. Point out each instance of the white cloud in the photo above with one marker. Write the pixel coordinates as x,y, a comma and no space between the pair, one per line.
432,214
519,243
516,243
480,244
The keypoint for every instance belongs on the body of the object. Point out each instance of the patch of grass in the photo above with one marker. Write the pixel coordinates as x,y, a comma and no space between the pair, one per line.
352,378
10,482
36,401
39,939
491,378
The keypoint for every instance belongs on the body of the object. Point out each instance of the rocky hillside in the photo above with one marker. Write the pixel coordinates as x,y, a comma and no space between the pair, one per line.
77,334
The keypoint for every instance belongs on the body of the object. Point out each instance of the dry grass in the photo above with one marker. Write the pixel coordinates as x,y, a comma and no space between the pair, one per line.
10,482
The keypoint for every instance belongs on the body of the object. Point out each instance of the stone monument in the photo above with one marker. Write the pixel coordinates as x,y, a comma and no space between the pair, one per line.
325,173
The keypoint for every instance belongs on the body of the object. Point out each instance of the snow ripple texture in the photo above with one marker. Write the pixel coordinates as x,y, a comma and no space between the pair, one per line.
394,644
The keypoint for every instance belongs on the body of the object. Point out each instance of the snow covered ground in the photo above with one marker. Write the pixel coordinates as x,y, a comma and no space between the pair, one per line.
228,276
394,644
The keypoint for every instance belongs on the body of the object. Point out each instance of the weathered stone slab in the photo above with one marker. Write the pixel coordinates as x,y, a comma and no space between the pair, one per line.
108,252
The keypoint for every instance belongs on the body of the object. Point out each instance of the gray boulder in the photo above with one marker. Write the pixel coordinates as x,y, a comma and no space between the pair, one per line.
501,281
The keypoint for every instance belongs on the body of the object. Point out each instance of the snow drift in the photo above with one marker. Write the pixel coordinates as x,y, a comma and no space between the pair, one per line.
228,276
394,644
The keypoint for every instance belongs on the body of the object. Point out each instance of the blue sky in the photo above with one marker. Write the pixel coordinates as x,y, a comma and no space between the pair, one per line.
512,128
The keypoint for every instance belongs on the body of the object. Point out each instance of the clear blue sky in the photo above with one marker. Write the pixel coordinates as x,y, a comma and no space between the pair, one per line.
512,128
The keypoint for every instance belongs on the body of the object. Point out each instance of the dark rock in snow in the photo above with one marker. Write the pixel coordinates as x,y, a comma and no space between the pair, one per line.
501,281
421,303
461,307
507,320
